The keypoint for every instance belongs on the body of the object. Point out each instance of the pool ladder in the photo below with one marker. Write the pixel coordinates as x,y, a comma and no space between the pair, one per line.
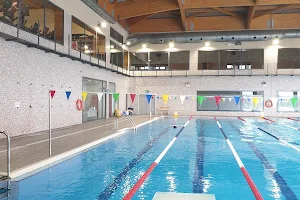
132,123
7,177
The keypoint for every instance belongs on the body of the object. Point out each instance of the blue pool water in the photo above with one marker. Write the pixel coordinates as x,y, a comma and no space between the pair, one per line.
200,161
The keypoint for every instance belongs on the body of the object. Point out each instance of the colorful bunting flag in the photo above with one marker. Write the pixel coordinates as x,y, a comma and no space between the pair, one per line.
187,98
218,99
52,93
200,99
294,101
237,99
116,96
223,99
255,101
132,96
165,98
230,99
182,98
68,93
193,98
100,95
210,99
249,99
149,97
84,95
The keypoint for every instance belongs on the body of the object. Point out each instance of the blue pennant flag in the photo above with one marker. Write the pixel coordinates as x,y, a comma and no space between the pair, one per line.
237,99
68,93
148,96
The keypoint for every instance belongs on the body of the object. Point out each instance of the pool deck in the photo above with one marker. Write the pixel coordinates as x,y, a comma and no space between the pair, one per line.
33,148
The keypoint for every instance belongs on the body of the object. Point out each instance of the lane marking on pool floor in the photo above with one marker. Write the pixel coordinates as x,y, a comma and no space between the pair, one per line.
199,165
284,187
247,176
62,136
277,138
112,187
297,120
142,179
270,120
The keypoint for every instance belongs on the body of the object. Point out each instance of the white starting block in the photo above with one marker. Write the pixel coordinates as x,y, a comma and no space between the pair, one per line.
182,196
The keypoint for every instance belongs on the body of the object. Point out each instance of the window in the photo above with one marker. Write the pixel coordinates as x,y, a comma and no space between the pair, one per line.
208,60
79,37
115,35
138,61
288,58
90,41
54,23
116,54
288,101
251,101
100,47
158,59
179,60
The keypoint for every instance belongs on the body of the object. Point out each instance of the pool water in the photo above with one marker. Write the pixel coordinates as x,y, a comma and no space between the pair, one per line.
200,161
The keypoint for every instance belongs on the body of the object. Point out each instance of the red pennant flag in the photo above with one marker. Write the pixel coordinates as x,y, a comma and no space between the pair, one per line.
218,99
52,93
132,96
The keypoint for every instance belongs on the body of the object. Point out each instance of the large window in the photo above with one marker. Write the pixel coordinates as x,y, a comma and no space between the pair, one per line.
288,58
159,61
243,101
115,35
86,40
288,101
179,60
138,61
116,54
231,59
54,23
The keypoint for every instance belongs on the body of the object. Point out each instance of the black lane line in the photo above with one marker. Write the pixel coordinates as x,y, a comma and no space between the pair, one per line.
112,187
284,187
199,165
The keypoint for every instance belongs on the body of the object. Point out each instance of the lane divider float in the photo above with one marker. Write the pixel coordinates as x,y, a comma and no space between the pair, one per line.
297,120
248,178
297,129
138,184
277,138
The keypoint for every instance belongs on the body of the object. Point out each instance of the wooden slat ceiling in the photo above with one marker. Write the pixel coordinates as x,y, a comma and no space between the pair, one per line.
142,16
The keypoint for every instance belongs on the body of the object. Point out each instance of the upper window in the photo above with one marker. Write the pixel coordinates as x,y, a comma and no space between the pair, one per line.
115,35
138,61
179,60
116,54
288,58
159,61
288,101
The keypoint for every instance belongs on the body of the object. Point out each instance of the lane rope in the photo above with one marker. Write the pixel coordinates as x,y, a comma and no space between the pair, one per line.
277,138
297,129
141,180
248,178
297,120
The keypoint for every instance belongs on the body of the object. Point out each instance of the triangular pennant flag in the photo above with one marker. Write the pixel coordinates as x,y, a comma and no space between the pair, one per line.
249,99
116,96
294,101
187,98
223,99
84,95
193,98
165,98
100,95
52,93
255,101
149,97
200,99
218,99
132,96
68,93
182,99
237,99
230,99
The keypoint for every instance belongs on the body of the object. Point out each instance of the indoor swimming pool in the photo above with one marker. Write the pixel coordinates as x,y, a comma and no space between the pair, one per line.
200,161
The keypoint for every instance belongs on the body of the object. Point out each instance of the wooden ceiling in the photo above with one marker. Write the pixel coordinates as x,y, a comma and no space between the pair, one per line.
148,16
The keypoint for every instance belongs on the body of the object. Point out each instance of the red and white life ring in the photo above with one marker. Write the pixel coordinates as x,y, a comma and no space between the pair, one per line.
79,104
269,103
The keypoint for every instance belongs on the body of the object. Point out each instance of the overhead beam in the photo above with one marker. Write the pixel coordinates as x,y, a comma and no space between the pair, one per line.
157,25
251,12
127,9
228,13
135,20
114,1
182,14
272,10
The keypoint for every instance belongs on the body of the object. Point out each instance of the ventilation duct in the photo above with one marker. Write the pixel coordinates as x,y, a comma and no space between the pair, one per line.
219,36
99,10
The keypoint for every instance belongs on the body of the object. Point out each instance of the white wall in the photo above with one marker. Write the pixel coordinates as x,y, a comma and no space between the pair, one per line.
176,86
26,76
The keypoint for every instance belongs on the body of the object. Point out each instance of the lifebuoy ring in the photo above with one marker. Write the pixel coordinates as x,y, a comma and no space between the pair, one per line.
79,104
269,103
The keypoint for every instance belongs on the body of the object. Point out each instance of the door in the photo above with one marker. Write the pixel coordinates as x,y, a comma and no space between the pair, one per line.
144,107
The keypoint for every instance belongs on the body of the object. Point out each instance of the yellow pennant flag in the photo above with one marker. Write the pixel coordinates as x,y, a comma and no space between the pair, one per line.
165,98
255,101
193,98
84,95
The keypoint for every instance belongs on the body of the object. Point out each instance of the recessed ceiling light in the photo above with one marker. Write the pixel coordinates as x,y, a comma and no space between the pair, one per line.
171,45
275,41
207,44
86,47
128,43
103,24
144,46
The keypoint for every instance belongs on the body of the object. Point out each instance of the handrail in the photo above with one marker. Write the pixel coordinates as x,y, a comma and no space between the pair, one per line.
132,123
8,155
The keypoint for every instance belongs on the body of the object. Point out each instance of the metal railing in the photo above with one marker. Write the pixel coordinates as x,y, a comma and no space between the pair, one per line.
132,123
8,156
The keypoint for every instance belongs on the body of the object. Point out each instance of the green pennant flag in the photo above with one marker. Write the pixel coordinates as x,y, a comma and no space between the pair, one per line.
116,96
200,99
294,101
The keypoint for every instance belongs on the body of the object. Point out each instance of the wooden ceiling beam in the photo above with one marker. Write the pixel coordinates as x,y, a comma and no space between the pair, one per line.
273,10
133,21
251,12
128,9
114,1
183,16
228,13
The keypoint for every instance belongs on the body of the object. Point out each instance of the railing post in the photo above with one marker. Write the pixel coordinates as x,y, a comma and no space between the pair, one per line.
55,40
69,44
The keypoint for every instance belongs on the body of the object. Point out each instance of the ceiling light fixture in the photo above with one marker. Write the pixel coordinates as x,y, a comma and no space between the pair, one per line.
275,41
207,44
128,43
103,24
171,44
144,46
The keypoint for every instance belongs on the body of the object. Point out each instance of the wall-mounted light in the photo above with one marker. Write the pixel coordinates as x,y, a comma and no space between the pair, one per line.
85,47
123,46
275,41
103,24
207,44
144,46
128,43
171,44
